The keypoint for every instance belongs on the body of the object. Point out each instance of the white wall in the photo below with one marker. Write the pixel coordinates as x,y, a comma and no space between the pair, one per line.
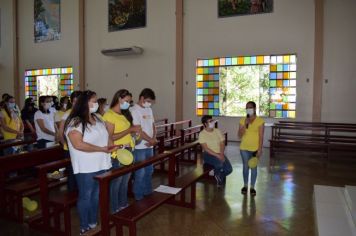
339,94
289,29
59,53
154,69
6,48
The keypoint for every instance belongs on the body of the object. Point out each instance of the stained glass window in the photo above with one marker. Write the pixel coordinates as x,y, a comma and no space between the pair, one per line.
52,81
279,86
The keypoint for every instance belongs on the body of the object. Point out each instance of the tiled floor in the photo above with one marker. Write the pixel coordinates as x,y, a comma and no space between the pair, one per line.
283,205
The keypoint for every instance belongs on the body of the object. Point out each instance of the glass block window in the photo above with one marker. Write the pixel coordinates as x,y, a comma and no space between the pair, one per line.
276,88
52,81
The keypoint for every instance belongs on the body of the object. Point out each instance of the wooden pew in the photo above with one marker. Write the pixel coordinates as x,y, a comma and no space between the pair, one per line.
341,142
54,205
171,132
16,142
12,191
296,138
308,136
130,215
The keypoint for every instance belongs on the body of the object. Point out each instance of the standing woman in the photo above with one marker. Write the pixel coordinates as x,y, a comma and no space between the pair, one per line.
118,121
11,123
88,140
28,114
251,131
44,123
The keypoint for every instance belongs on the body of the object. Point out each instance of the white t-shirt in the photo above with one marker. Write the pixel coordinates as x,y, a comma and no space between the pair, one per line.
48,120
144,117
89,162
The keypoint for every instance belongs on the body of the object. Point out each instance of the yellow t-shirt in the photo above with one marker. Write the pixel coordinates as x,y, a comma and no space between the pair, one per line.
58,116
250,140
212,139
14,123
121,124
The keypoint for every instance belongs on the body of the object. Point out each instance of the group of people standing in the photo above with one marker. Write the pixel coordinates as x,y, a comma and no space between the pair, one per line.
91,134
90,137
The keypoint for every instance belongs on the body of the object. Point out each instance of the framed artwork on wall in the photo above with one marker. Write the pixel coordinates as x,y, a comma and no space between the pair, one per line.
126,14
47,25
228,8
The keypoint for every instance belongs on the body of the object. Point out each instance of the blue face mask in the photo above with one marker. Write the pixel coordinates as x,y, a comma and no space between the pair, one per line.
124,106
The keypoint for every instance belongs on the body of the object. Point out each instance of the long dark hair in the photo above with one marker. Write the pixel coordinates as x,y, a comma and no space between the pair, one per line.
41,100
80,112
122,93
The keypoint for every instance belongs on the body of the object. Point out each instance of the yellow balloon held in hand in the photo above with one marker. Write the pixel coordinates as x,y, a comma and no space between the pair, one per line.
124,156
252,163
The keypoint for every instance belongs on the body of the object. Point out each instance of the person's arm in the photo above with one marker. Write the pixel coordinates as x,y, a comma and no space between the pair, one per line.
242,130
7,128
211,152
42,126
261,131
29,125
76,139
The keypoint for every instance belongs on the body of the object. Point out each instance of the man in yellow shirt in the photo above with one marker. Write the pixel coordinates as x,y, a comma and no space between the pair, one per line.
251,133
212,142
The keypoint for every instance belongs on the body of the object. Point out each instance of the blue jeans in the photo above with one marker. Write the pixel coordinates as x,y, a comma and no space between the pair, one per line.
143,177
246,156
88,199
118,189
222,169
71,182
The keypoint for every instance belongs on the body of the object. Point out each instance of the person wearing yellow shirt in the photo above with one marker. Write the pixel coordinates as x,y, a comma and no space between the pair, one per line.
118,121
63,107
213,144
250,132
11,123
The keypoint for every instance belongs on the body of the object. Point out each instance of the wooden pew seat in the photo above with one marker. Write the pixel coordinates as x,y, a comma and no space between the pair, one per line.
130,215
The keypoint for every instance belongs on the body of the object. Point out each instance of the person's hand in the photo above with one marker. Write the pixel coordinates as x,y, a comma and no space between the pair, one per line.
135,129
221,157
110,149
151,142
259,153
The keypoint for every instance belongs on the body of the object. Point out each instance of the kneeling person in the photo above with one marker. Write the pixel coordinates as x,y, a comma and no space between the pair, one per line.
212,142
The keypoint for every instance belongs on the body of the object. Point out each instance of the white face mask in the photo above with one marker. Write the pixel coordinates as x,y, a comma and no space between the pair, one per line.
147,104
46,106
211,124
250,111
65,105
94,108
106,108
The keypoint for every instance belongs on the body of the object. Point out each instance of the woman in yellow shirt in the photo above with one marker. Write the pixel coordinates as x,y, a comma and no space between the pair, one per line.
11,123
251,131
119,125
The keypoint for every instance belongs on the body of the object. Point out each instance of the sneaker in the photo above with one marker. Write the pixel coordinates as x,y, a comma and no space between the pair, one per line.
84,231
253,192
218,180
244,190
93,226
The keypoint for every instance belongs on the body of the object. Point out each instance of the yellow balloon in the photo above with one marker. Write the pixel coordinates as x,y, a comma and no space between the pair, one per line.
252,163
124,156
28,204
